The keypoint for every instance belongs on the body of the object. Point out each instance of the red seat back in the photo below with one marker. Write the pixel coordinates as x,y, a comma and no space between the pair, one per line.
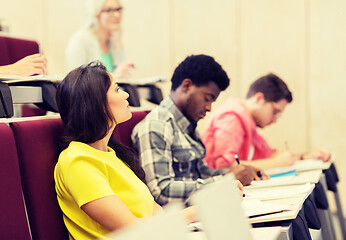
5,55
13,220
16,49
122,131
30,111
37,145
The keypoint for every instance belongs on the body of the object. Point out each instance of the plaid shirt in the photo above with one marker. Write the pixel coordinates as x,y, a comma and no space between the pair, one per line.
171,154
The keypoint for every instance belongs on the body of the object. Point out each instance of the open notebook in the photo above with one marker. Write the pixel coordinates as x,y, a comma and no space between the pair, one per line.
222,214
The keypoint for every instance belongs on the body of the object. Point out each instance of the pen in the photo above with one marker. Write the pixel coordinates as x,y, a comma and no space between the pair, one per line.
259,174
236,158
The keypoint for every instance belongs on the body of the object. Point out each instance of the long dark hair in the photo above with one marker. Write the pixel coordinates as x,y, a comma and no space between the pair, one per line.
82,102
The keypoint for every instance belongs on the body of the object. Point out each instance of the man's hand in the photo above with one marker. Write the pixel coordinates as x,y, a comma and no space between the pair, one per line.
322,154
240,187
245,174
286,158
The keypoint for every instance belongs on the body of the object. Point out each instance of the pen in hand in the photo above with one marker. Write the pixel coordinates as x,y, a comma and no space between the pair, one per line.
259,174
236,158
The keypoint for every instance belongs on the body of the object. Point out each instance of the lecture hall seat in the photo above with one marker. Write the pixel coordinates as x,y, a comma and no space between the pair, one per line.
15,49
37,145
13,220
122,131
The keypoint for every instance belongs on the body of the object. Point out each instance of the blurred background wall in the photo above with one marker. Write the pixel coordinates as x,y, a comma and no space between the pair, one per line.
302,41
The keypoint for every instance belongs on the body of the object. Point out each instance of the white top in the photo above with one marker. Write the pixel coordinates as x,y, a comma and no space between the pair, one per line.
83,48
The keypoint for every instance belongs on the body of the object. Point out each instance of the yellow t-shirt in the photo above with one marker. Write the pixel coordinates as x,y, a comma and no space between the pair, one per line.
84,174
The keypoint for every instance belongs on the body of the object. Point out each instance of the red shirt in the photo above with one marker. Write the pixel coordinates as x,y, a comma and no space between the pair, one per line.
232,130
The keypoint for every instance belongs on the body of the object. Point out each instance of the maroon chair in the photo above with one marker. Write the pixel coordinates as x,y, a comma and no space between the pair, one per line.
37,145
12,50
16,49
122,131
13,220
5,55
31,111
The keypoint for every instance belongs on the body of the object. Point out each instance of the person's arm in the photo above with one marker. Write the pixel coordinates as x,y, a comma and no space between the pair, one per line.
116,39
123,70
246,174
110,212
87,182
154,144
277,159
157,208
27,66
322,154
225,139
288,158
228,139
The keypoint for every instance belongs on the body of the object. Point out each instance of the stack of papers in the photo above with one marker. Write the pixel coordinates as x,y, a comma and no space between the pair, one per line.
257,208
278,192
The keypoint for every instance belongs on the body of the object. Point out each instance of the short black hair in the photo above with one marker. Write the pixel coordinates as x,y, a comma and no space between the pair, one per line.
201,69
273,88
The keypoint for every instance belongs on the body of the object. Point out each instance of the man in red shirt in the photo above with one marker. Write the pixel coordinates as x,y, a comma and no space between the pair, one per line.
233,128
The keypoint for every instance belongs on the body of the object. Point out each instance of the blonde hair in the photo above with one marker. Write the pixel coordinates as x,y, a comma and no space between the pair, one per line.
93,9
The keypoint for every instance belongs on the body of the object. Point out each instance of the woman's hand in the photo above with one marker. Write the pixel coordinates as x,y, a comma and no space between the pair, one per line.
123,70
116,38
27,66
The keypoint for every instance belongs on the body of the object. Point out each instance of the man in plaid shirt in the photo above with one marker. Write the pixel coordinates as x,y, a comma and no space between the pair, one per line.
170,149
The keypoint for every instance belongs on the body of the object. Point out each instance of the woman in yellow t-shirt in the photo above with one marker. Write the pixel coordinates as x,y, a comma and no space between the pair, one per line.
98,189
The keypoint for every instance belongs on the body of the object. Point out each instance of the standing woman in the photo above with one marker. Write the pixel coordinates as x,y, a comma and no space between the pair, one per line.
99,188
100,39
